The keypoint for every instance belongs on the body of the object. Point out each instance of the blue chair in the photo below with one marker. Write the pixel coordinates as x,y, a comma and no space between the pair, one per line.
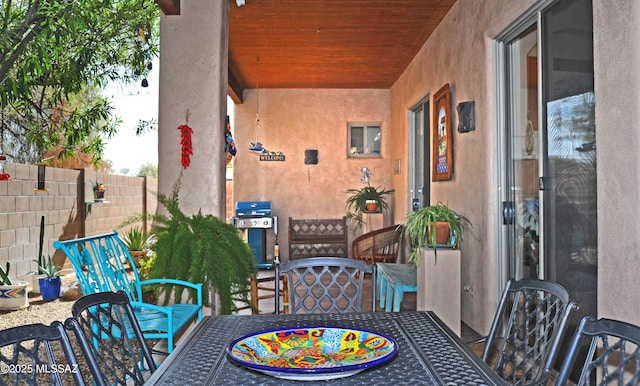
107,328
613,356
527,330
99,265
324,285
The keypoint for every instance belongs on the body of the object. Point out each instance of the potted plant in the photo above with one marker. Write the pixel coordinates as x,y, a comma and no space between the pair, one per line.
13,294
98,191
201,249
421,228
138,243
50,283
367,199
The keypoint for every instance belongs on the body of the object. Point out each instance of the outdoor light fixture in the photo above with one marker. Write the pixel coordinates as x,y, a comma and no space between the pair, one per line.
41,177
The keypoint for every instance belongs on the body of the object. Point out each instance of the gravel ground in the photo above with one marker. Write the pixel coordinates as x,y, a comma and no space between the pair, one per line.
46,312
40,311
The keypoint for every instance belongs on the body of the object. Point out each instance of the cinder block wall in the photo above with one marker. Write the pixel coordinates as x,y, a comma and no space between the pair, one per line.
68,208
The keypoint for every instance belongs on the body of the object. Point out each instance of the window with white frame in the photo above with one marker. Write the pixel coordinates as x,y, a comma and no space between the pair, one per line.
364,140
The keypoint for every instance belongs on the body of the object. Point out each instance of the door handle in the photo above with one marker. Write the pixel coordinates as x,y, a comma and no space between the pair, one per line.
507,212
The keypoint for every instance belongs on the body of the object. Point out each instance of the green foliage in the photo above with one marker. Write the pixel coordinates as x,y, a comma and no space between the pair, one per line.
144,270
4,275
145,126
55,56
357,202
148,169
48,268
419,227
201,249
41,262
137,240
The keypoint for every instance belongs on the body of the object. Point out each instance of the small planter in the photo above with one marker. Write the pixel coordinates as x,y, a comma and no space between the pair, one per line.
50,287
14,296
137,256
372,205
98,195
34,283
443,235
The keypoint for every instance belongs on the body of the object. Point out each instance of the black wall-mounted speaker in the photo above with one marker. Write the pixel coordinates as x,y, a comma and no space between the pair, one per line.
311,157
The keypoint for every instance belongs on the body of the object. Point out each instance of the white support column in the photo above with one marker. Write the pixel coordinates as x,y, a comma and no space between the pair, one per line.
193,77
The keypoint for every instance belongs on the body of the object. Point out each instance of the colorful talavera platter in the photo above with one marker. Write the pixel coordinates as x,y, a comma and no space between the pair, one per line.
312,353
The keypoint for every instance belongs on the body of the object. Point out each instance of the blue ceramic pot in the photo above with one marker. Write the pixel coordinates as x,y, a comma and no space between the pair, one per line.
50,287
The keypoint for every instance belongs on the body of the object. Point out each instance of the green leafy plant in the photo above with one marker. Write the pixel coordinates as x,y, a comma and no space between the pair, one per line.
420,228
4,275
136,239
49,269
357,202
97,185
41,261
201,249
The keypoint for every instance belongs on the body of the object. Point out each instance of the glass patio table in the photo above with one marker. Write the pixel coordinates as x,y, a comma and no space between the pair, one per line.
429,353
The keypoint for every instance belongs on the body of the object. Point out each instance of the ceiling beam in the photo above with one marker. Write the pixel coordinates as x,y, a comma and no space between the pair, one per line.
169,7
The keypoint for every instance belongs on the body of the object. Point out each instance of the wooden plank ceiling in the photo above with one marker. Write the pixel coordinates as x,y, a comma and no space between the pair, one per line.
324,43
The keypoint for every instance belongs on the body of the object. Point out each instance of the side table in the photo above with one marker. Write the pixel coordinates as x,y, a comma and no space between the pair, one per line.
393,281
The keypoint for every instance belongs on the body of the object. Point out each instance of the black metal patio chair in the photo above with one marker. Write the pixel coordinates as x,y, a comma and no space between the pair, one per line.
527,330
613,357
36,354
324,285
113,337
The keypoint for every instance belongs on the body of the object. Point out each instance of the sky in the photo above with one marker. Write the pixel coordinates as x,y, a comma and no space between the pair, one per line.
133,103
125,150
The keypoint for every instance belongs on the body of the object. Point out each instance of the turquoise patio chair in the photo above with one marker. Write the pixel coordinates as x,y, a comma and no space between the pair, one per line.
99,265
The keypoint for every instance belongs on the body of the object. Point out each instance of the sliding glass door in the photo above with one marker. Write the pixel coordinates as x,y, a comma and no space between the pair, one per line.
549,157
419,152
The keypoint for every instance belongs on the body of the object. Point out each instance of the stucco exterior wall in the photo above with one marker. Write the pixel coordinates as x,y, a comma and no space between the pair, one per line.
291,121
460,53
617,91
193,91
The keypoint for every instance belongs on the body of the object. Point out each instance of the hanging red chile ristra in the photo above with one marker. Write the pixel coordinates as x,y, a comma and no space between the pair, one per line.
187,146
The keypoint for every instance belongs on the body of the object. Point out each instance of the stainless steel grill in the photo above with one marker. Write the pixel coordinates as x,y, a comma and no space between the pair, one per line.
254,218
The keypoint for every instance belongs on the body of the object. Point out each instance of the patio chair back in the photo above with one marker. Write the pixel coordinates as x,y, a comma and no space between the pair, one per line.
113,337
527,331
379,246
27,356
103,263
324,285
613,357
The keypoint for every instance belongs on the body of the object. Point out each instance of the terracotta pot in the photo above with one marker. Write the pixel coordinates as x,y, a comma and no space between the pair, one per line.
442,233
137,256
372,205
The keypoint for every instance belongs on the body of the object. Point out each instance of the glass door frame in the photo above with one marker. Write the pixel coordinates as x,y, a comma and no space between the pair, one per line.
420,109
503,194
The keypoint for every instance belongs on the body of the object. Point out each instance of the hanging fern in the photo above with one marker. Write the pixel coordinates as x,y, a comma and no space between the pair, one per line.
201,249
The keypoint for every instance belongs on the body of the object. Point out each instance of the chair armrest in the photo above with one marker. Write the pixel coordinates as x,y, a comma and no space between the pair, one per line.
195,286
165,310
